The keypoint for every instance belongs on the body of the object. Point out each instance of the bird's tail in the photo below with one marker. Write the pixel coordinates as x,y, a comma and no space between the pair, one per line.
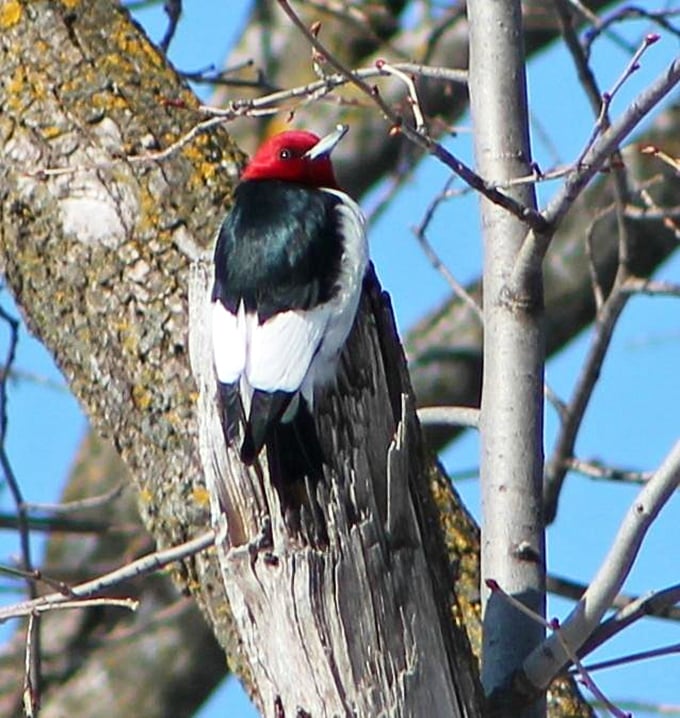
295,460
283,423
231,410
293,449
266,411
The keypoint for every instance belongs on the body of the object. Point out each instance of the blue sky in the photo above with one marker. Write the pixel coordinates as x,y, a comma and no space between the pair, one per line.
633,419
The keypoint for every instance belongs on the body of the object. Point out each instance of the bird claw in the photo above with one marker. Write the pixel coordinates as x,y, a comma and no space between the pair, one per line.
262,544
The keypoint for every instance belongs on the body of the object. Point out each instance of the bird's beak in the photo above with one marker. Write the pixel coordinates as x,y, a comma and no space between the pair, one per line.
326,144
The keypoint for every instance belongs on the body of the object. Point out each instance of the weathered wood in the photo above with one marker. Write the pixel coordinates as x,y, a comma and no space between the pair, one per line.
359,626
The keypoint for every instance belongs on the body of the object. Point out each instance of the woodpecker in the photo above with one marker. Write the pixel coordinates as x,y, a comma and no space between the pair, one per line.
290,260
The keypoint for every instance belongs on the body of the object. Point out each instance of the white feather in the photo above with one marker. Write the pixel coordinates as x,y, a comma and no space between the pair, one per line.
281,349
229,342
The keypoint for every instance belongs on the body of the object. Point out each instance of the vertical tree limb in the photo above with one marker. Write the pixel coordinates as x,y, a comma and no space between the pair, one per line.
513,549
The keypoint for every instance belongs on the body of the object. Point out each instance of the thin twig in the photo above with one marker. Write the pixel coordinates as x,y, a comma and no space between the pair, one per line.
420,233
605,99
629,12
555,401
173,9
142,566
651,287
556,466
533,218
661,604
69,507
536,243
600,103
635,657
607,143
657,604
598,470
37,576
31,689
598,290
16,374
418,116
33,670
261,106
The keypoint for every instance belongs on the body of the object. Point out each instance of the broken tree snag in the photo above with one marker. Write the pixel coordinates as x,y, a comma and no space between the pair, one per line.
358,624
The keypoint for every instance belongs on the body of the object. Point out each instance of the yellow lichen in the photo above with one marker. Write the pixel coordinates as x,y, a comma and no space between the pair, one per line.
141,396
201,495
10,13
208,170
131,46
108,101
70,3
16,82
145,496
173,418
50,132
148,211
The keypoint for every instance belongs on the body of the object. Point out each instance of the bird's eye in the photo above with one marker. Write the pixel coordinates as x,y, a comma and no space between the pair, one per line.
285,154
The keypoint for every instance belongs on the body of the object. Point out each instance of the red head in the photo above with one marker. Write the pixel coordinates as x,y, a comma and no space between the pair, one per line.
296,156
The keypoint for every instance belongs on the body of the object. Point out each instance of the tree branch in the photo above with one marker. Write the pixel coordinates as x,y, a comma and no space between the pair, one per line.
549,658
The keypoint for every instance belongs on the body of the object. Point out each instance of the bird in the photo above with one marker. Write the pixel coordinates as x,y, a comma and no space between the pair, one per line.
289,262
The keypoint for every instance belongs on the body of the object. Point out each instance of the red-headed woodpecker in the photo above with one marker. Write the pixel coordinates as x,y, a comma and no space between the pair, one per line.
290,261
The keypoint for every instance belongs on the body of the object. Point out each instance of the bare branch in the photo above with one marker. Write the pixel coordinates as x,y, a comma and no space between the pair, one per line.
173,9
32,678
528,214
69,507
593,160
557,466
145,565
549,658
421,235
635,657
660,604
599,470
450,416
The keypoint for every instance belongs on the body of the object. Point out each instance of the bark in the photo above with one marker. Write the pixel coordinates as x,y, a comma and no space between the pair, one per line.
98,258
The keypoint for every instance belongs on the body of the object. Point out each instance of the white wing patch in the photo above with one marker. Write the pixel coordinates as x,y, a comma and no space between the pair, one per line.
229,342
273,356
281,350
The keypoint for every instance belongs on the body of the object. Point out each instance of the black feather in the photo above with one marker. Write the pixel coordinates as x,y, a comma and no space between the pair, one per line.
279,248
231,410
293,450
266,410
